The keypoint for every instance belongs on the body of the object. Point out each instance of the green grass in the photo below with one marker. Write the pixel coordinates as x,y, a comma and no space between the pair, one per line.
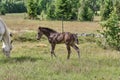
32,61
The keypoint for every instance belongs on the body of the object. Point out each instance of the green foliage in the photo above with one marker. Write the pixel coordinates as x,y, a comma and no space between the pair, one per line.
32,9
106,9
94,5
51,12
85,12
63,9
117,6
74,9
2,9
111,31
53,9
42,5
66,9
15,7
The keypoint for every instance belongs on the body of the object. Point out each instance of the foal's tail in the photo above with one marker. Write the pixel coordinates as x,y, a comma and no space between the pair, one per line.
76,38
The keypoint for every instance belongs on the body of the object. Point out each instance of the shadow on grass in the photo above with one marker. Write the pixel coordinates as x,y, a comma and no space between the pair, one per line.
20,59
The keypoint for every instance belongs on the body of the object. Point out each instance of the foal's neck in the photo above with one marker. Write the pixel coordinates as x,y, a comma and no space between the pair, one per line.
47,34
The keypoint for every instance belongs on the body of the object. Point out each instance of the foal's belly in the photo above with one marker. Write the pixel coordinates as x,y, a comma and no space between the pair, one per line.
56,41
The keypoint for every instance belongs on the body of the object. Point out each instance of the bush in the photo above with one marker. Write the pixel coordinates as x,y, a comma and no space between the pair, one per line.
111,31
85,12
16,7
2,9
25,36
106,9
32,9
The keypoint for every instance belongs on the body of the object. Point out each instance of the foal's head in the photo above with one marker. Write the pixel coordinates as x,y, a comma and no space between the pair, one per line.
39,34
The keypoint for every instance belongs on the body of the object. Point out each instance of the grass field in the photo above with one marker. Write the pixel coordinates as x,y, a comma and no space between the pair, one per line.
31,60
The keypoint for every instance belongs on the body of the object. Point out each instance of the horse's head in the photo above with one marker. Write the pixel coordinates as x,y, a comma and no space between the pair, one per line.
39,34
6,51
7,46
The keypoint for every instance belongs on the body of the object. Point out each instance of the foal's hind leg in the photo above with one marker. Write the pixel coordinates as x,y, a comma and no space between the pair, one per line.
52,50
77,49
69,51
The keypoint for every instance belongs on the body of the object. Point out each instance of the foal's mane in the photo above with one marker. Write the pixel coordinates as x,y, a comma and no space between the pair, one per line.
48,29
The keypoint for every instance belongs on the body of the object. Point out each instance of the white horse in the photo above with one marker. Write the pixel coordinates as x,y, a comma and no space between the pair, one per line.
5,38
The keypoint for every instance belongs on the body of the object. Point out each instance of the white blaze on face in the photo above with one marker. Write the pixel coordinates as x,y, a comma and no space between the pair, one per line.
6,50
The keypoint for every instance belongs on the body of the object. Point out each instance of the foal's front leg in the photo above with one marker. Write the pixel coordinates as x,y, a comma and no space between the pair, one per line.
52,50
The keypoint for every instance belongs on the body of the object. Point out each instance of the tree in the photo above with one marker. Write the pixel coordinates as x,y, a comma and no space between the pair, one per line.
32,9
94,5
106,9
85,12
117,6
63,9
51,12
111,31
74,9
2,9
66,9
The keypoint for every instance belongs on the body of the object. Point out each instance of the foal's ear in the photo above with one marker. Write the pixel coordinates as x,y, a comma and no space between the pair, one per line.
39,27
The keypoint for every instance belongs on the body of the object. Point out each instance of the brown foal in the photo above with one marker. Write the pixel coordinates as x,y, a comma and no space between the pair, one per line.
55,38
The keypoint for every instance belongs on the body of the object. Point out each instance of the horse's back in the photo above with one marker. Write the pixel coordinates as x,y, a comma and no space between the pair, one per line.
65,37
56,38
70,38
2,29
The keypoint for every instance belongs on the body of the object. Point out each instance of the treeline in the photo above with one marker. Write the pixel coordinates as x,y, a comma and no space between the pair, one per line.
83,10
12,6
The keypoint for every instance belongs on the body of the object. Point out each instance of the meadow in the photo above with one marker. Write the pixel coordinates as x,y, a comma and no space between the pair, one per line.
31,60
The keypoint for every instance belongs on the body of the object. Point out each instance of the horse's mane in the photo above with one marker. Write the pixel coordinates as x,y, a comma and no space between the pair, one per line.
48,29
4,24
6,28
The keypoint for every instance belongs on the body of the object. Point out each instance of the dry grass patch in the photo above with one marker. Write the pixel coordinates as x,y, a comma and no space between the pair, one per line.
17,22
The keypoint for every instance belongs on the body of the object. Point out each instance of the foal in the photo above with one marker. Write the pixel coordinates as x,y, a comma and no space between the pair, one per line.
55,38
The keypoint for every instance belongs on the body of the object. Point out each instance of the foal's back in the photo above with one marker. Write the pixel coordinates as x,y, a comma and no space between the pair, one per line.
65,37
69,38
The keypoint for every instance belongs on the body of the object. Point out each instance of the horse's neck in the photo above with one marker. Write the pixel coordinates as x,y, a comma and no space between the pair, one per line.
6,40
6,35
47,34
